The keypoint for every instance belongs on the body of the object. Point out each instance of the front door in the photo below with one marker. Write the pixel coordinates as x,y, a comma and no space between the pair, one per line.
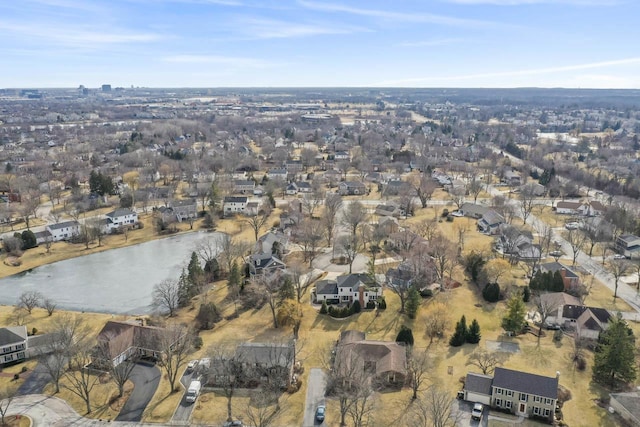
523,408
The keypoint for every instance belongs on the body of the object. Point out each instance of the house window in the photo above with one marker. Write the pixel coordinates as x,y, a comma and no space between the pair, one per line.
523,397
509,404
547,401
536,410
373,298
499,403
547,412
509,393
345,298
355,294
498,391
537,399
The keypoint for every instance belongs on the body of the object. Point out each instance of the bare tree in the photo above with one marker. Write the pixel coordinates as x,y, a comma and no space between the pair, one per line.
443,253
264,407
457,195
527,198
175,345
353,216
30,300
120,371
418,368
546,307
346,380
7,393
268,284
349,247
434,408
68,333
332,206
424,188
545,235
166,296
486,361
426,228
436,321
474,188
309,234
618,269
50,305
80,379
226,372
576,239
226,248
301,276
361,409
29,204
258,221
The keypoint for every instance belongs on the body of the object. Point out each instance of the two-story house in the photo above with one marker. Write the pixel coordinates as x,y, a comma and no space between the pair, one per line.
13,344
351,188
118,218
63,230
232,205
244,186
628,245
277,174
490,222
264,263
185,209
519,392
348,288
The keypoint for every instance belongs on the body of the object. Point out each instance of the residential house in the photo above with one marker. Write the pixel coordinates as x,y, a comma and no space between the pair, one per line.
252,208
348,288
490,222
264,263
291,189
273,242
569,277
122,340
473,210
13,344
341,155
63,230
277,174
538,190
43,236
244,186
477,388
518,244
384,362
351,188
588,322
524,393
185,209
628,245
627,405
395,187
554,303
569,208
120,217
271,363
389,224
388,209
293,166
512,178
233,205
304,187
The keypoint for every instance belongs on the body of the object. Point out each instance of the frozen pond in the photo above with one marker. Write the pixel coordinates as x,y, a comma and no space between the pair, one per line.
113,281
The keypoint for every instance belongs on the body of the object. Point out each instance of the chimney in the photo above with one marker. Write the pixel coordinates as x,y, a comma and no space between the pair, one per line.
558,375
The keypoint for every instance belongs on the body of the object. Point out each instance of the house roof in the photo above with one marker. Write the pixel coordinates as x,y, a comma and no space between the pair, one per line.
120,212
235,199
478,383
12,335
492,217
556,266
244,182
351,336
472,209
628,238
568,205
269,354
120,336
352,184
183,203
575,311
525,382
353,281
385,356
261,261
65,224
630,402
559,299
327,287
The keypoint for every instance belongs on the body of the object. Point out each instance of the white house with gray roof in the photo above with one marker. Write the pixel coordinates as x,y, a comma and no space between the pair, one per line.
63,230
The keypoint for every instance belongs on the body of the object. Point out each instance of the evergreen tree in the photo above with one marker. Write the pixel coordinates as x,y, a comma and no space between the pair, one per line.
526,294
212,269
208,315
413,303
234,276
356,307
195,275
491,292
323,307
28,240
614,359
382,304
405,335
514,321
459,336
184,289
286,291
557,285
473,334
473,265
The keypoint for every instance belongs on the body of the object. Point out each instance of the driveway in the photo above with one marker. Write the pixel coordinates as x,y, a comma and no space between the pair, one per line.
145,377
184,409
461,410
316,386
36,381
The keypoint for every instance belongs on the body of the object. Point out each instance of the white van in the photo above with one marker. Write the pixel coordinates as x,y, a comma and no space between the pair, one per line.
193,391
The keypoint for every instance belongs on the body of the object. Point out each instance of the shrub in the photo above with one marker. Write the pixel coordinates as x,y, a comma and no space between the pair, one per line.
449,219
445,213
34,331
16,377
473,265
382,304
323,308
197,342
491,292
28,240
557,336
207,316
371,305
526,294
581,364
405,335
426,293
355,307
23,369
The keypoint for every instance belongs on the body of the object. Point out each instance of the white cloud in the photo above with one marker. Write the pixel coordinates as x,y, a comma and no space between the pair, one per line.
512,74
399,16
261,28
434,42
533,2
219,59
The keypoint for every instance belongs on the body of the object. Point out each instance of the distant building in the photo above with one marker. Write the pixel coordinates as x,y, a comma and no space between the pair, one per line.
106,88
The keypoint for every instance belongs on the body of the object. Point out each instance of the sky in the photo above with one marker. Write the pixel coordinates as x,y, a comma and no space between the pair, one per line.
320,43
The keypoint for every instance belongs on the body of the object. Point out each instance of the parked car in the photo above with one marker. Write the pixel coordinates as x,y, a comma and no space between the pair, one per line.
476,412
236,423
192,365
572,225
320,410
457,213
619,256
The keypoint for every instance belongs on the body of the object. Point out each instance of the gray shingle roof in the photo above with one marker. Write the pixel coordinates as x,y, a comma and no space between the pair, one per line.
478,383
12,335
525,382
64,225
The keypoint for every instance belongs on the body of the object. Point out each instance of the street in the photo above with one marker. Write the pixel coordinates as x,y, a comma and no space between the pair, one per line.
315,396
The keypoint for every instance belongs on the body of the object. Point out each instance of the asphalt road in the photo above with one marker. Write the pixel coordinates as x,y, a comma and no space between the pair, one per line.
36,381
184,409
145,377
315,396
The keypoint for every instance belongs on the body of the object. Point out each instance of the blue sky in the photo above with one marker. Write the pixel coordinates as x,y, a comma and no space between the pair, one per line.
401,43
